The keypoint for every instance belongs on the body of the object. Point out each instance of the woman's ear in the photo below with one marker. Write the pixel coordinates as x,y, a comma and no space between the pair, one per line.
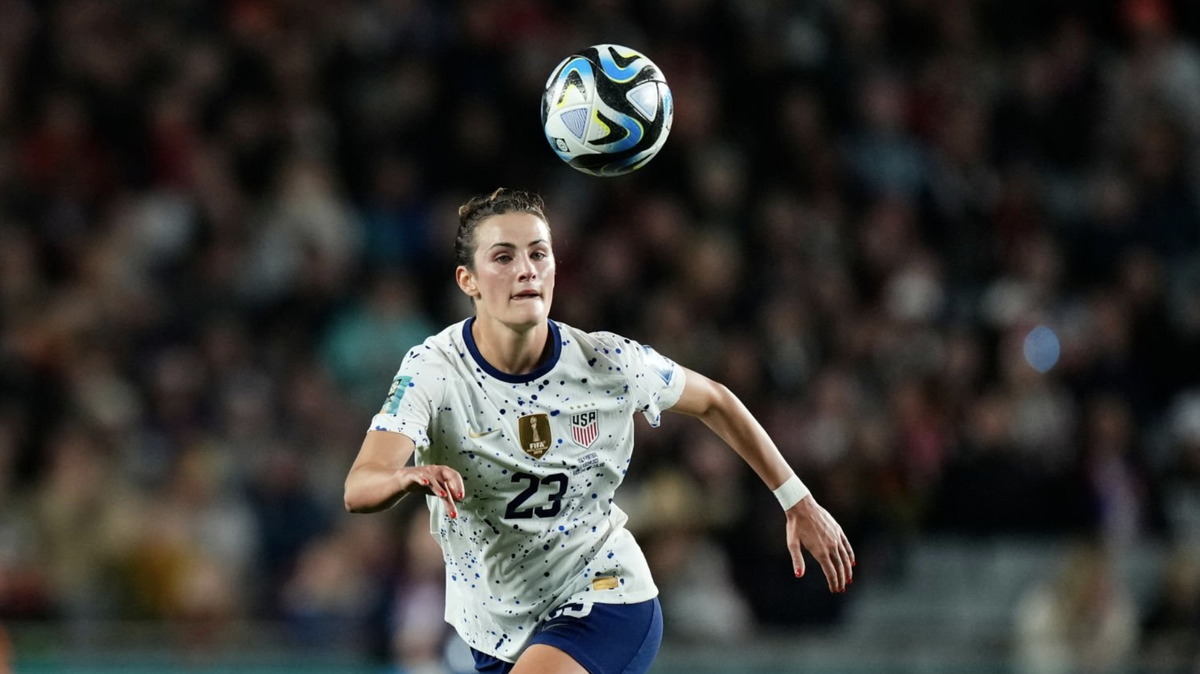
466,281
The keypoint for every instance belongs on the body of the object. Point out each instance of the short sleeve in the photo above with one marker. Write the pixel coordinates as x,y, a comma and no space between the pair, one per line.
655,381
413,397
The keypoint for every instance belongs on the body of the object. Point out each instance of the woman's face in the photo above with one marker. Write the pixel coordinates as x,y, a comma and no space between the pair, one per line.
513,280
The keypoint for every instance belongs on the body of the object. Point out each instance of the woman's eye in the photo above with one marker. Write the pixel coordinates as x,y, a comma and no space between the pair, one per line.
539,255
503,258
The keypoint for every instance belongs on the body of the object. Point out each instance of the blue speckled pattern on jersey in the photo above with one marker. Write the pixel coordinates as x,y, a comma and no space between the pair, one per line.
532,533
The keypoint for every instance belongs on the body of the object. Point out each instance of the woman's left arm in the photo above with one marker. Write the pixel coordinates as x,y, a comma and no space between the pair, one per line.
808,524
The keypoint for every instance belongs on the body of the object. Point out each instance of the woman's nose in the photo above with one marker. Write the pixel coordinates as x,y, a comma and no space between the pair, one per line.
527,270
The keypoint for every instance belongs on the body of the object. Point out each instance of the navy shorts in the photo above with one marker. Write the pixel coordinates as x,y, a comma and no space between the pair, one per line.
609,639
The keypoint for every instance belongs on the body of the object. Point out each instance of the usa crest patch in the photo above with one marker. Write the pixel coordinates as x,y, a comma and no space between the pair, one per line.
584,428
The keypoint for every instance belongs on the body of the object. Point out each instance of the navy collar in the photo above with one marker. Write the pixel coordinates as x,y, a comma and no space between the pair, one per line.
513,378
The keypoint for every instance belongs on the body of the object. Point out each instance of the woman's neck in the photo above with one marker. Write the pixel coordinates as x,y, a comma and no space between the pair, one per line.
511,350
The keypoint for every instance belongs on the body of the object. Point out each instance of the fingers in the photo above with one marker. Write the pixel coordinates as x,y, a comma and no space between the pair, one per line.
812,527
848,558
835,571
797,560
456,485
839,569
849,567
836,560
842,560
442,482
446,484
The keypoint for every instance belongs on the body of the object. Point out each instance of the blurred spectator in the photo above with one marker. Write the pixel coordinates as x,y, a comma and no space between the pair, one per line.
335,591
689,569
418,633
396,219
1180,468
1171,628
289,519
1082,620
87,525
23,591
883,157
1126,508
374,337
306,241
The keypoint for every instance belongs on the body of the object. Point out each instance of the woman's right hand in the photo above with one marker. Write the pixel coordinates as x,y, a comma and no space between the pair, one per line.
381,476
440,481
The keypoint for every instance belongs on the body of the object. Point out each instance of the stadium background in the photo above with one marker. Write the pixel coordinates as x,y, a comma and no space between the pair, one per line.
222,224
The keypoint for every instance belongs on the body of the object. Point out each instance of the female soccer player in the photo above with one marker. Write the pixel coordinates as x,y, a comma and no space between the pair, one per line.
522,429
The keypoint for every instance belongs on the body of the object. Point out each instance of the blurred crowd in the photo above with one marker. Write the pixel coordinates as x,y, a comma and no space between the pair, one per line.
222,225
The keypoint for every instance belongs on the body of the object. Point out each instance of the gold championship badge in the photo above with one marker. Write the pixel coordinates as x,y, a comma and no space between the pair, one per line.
535,434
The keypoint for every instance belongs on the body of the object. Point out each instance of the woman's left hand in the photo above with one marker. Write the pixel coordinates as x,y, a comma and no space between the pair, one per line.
811,526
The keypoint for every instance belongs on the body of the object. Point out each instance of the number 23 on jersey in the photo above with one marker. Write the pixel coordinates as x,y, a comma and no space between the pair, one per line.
553,485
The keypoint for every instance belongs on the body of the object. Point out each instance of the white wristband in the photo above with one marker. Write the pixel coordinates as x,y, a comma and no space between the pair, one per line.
791,492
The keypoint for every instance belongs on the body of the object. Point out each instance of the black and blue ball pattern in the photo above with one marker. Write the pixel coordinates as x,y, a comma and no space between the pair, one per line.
607,110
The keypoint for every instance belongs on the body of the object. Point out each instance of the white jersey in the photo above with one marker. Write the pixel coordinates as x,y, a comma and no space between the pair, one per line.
540,455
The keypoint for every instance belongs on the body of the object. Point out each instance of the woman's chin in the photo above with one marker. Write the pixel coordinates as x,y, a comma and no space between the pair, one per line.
531,313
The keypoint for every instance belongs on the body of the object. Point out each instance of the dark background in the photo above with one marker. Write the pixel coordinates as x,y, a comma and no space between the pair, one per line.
223,224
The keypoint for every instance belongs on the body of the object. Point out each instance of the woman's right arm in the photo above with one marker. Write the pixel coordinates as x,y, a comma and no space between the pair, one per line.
379,478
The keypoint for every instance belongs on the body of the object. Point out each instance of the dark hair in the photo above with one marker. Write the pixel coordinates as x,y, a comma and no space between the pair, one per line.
480,207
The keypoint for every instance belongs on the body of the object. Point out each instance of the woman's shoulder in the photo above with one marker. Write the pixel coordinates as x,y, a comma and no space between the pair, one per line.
595,337
600,344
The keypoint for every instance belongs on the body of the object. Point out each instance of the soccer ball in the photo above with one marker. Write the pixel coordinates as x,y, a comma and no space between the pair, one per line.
607,110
